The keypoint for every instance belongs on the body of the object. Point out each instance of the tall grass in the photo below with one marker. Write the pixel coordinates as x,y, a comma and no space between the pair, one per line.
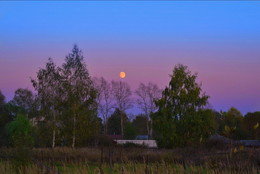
121,160
119,168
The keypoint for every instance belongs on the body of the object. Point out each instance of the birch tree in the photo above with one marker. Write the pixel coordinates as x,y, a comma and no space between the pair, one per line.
122,96
48,87
147,95
79,92
26,101
104,99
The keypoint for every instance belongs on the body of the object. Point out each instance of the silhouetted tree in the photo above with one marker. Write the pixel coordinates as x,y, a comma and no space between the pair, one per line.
26,101
104,99
5,118
147,95
251,123
114,122
231,124
122,94
2,100
140,123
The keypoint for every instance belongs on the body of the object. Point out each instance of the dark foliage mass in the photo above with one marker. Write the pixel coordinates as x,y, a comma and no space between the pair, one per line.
70,108
114,122
181,118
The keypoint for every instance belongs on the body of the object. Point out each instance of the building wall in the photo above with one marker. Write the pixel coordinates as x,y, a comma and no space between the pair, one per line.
148,143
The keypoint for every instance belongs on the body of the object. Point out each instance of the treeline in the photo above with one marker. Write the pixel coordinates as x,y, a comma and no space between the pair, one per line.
70,108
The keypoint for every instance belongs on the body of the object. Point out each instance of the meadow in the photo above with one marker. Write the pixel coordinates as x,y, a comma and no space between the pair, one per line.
139,160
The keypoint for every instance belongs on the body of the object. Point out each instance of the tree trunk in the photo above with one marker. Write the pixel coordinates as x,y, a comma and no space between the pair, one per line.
74,130
122,127
54,131
105,131
53,138
147,126
105,125
151,130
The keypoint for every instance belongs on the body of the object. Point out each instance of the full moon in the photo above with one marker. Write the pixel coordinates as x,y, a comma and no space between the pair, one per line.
122,75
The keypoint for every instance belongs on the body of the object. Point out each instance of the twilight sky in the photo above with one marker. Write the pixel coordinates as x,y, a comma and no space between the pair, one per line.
218,40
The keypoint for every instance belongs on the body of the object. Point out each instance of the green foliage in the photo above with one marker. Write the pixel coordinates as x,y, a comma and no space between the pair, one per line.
80,97
231,124
68,101
20,131
180,119
256,126
196,128
114,122
26,101
251,125
42,135
5,118
140,125
50,96
130,132
88,128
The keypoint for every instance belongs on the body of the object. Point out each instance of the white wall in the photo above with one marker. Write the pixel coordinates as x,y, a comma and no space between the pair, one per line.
148,143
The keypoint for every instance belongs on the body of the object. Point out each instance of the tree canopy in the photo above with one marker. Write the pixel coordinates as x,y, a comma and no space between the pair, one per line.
67,98
180,110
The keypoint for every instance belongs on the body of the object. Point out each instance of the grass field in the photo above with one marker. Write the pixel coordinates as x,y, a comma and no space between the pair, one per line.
136,168
121,160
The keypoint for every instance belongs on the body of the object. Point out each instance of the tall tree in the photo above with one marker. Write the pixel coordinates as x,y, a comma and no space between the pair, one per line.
114,122
231,124
140,123
104,99
251,125
147,95
122,93
5,118
80,93
179,108
48,86
2,99
26,101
